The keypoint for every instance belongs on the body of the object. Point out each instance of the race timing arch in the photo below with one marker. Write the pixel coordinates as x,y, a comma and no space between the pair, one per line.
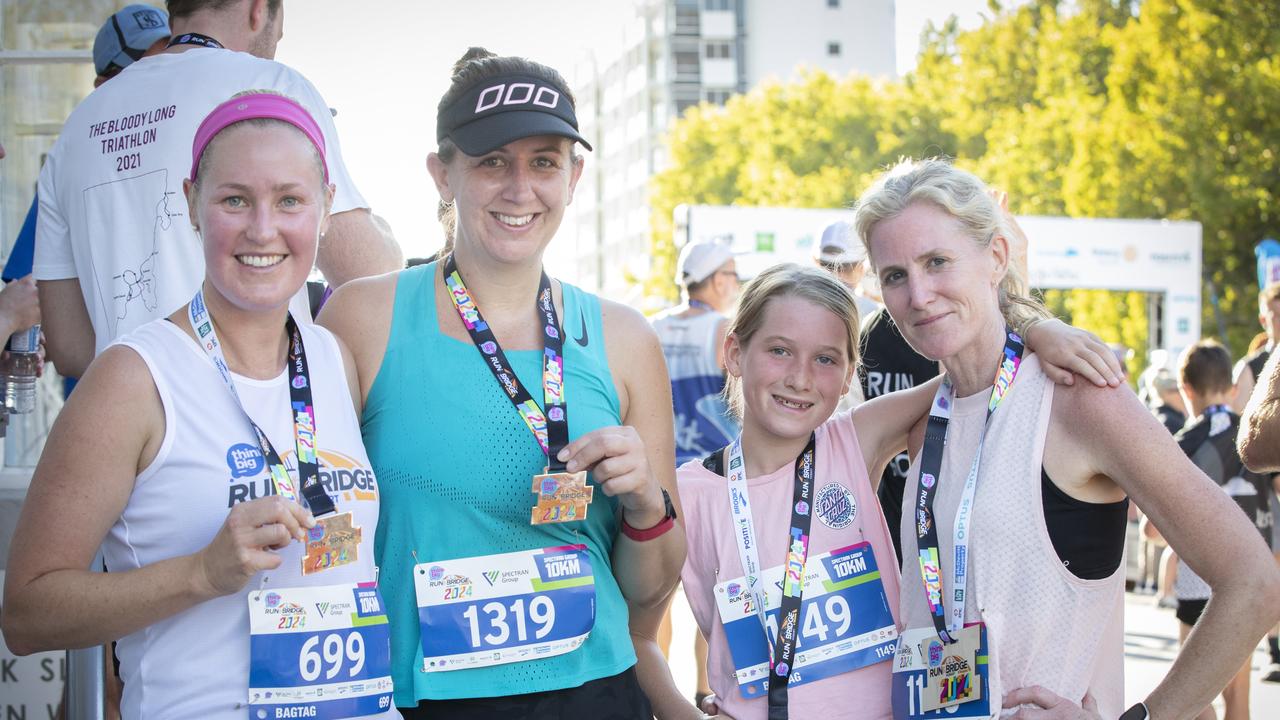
1159,257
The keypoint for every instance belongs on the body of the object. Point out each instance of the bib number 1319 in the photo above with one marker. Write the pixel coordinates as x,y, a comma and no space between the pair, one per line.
497,620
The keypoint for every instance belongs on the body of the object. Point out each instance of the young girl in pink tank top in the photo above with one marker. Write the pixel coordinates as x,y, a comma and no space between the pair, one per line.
789,556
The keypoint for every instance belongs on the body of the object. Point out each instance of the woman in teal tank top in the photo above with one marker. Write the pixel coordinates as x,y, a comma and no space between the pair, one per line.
513,583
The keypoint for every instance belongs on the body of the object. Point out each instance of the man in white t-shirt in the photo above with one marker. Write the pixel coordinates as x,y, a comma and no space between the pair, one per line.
115,246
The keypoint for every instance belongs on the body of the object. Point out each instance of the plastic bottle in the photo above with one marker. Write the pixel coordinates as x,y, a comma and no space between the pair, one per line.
20,380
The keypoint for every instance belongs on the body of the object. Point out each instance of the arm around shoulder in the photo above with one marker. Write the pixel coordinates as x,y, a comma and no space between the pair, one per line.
359,314
357,244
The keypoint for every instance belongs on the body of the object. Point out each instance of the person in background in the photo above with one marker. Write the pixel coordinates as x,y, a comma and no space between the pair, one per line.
114,245
1249,369
839,253
1204,378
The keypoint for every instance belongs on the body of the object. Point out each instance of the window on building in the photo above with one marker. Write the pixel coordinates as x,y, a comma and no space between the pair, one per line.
833,49
687,65
833,3
717,97
717,5
687,21
718,50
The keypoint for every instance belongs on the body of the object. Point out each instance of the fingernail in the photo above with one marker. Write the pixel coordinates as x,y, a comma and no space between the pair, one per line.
562,454
571,466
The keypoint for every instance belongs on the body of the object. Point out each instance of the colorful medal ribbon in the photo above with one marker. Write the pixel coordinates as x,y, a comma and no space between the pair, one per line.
935,440
782,650
304,416
551,429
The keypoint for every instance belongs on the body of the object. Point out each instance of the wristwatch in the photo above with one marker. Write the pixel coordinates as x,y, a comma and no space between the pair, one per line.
1137,712
666,523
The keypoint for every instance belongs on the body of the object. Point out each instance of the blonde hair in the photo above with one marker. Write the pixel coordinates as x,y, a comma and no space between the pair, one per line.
789,280
962,196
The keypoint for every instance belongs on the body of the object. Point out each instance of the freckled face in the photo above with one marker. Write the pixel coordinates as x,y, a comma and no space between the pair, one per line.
261,206
794,369
937,283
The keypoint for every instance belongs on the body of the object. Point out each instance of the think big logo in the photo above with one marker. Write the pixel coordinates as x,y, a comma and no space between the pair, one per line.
343,478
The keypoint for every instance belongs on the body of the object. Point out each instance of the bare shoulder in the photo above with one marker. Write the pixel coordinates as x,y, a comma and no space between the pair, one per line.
119,392
624,324
1090,411
359,315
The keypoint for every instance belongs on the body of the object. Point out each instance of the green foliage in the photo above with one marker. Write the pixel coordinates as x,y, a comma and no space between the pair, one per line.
1093,108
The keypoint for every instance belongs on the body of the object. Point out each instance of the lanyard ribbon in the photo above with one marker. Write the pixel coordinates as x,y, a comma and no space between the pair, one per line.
935,440
782,651
552,428
304,416
195,39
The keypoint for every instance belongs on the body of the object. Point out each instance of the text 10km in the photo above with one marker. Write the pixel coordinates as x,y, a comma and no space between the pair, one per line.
499,618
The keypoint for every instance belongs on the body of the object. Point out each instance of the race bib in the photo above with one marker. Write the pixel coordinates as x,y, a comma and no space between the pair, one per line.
845,622
934,680
318,652
496,609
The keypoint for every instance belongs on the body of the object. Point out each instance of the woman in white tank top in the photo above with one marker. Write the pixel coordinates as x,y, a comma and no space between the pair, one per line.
992,619
215,456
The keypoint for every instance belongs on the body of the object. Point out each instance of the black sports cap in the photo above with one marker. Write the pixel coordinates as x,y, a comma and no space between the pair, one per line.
505,108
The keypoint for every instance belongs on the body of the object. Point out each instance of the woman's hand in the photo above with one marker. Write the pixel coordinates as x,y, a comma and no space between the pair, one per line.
1041,704
1067,351
246,543
616,458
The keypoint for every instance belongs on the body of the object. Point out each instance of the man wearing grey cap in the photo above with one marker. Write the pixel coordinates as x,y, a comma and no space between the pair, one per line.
115,244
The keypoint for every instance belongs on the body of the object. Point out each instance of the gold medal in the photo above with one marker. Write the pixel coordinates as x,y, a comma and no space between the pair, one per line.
562,497
333,542
952,677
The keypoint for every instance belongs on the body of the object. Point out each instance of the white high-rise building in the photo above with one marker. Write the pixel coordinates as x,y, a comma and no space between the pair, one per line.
674,54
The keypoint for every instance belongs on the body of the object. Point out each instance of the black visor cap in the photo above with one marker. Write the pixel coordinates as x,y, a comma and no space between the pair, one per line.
506,108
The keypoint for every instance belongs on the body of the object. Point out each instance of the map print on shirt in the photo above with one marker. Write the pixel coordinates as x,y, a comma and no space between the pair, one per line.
136,285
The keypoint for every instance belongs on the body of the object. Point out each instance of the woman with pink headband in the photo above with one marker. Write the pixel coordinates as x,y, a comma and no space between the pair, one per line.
215,457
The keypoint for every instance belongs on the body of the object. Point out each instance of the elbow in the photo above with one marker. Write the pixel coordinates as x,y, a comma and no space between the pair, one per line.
17,631
66,360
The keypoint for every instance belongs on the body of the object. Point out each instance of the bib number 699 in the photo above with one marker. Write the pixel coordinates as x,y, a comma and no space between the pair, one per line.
541,611
329,655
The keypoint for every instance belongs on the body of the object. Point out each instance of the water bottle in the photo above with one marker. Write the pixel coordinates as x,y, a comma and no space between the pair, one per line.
20,380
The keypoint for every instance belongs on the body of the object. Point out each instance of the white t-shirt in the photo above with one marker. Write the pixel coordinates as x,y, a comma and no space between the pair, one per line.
195,664
112,211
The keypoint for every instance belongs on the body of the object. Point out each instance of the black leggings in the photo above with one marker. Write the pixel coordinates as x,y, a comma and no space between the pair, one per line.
612,698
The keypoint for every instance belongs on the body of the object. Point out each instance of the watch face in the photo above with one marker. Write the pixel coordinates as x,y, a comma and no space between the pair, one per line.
670,506
1137,712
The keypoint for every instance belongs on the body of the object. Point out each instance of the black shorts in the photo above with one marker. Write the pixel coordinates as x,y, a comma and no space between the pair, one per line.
1189,611
613,698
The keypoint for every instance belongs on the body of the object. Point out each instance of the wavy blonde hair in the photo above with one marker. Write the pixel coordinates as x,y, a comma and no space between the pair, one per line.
962,196
789,280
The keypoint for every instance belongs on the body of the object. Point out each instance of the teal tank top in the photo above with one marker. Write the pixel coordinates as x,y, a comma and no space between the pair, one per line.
454,462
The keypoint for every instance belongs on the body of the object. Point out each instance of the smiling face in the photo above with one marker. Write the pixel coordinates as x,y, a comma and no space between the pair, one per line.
938,284
260,205
510,201
793,369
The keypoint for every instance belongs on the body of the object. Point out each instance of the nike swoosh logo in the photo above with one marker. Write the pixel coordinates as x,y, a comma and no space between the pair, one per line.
582,340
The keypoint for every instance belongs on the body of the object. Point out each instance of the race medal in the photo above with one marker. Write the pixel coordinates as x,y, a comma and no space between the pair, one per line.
333,542
318,652
845,621
932,679
952,677
562,497
512,607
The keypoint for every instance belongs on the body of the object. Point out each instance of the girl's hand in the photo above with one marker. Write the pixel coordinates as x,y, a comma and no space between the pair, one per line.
1041,704
615,456
246,543
1067,351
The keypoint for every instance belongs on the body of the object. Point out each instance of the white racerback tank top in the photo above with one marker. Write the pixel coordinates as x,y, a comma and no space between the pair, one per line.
1045,626
196,664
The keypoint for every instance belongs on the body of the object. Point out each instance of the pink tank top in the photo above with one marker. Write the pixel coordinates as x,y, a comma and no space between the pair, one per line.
1045,626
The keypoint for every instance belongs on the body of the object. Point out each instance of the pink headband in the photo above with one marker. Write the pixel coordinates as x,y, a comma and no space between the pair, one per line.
251,107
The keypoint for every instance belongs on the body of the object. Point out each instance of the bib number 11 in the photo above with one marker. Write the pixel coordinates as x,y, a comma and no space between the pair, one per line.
500,617
330,655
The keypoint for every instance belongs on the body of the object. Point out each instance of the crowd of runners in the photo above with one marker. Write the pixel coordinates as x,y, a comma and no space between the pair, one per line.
456,493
